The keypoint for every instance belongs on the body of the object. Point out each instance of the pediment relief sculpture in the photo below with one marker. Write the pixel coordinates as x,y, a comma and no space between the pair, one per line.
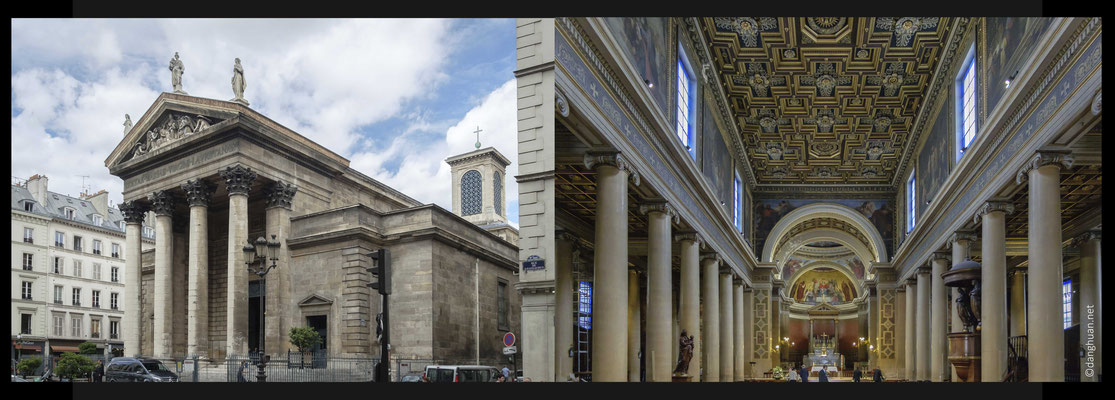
171,128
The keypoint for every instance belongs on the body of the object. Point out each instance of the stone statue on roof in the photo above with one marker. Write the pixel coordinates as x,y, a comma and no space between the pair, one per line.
127,123
238,83
176,70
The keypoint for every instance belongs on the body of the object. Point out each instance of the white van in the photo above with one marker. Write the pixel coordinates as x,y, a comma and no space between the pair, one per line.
461,373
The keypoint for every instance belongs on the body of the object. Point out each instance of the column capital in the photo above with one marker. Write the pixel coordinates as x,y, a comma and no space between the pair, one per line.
162,202
940,255
1003,206
661,207
133,211
566,236
1083,238
710,256
1043,158
239,179
690,236
613,158
957,236
911,281
198,192
280,194
923,270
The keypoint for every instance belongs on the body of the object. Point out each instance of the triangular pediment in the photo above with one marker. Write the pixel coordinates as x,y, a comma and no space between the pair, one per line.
823,308
170,120
315,300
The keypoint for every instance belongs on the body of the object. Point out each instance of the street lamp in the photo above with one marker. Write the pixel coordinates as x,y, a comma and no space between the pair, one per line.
262,251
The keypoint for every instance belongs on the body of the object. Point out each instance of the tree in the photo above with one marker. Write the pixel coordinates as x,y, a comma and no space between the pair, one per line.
74,365
27,366
88,348
304,338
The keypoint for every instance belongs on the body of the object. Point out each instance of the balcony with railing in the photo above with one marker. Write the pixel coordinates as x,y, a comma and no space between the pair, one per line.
28,240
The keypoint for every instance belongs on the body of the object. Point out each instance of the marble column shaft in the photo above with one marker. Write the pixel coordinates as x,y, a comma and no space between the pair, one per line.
163,290
197,324
563,306
1018,302
923,341
727,329
133,246
659,346
238,180
1091,313
689,303
938,345
993,292
1045,326
711,317
276,316
634,318
610,308
738,332
911,331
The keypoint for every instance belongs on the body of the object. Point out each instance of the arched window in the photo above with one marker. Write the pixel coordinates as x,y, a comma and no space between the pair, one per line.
497,190
471,194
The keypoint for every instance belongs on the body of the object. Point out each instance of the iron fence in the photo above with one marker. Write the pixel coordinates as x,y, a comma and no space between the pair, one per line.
299,367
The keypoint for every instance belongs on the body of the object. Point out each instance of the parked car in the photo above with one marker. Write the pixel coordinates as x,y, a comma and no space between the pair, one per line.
17,378
411,378
128,369
461,373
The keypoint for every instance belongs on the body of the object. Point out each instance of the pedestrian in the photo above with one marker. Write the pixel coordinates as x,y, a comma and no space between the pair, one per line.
240,373
99,371
804,374
857,374
507,374
822,376
793,375
878,375
501,379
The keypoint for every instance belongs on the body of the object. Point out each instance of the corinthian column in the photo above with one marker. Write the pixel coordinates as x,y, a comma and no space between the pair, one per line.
689,308
163,204
280,196
938,346
711,316
133,215
924,364
1091,321
960,242
993,291
197,303
727,329
609,359
659,346
238,179
1043,311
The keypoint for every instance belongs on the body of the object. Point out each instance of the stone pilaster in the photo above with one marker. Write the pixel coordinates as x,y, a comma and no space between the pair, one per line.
689,301
279,309
162,203
659,292
993,290
197,303
911,330
727,329
710,289
567,251
238,180
923,338
738,331
609,364
133,217
938,340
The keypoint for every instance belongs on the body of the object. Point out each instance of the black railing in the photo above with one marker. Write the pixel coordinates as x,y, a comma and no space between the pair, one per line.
28,240
1017,362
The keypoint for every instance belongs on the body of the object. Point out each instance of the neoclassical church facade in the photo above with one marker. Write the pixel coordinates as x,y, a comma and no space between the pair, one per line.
218,174
794,191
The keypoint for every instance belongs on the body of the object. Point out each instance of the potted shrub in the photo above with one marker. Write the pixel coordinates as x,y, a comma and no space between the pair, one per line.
305,339
28,366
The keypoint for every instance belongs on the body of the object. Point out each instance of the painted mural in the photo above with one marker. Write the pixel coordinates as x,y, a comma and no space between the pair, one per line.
1010,42
768,212
646,47
823,285
794,264
935,158
716,161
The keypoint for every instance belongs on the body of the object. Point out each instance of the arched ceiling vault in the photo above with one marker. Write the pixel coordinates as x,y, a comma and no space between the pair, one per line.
824,221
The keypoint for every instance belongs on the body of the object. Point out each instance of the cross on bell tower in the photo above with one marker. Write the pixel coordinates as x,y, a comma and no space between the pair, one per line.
477,132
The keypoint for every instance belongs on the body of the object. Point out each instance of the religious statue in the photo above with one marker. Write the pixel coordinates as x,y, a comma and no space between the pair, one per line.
238,83
127,123
685,353
176,70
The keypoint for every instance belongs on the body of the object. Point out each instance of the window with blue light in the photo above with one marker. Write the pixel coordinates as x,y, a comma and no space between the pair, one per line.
966,104
686,99
471,193
584,305
911,202
1066,302
738,185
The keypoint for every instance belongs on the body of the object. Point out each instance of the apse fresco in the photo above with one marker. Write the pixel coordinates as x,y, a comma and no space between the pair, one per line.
644,40
1010,42
768,212
823,285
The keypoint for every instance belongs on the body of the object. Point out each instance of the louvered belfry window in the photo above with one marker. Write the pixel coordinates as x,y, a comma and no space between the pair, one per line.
471,193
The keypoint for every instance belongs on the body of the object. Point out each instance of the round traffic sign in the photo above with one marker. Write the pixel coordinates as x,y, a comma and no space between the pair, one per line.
509,339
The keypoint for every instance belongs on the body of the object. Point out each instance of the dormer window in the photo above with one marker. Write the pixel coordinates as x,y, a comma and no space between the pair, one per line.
28,206
98,220
68,212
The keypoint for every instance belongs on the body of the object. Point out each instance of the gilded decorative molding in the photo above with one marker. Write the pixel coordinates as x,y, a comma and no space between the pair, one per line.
615,159
280,194
133,211
940,255
560,105
690,236
198,192
760,316
238,179
1005,207
886,323
662,207
162,202
1041,159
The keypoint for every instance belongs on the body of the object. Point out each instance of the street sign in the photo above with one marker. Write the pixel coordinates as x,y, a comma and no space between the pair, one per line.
534,262
509,339
509,350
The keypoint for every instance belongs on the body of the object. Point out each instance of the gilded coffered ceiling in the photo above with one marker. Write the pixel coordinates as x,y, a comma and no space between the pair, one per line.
825,99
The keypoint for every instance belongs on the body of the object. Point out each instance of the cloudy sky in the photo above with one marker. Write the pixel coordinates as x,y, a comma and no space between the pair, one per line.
395,97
